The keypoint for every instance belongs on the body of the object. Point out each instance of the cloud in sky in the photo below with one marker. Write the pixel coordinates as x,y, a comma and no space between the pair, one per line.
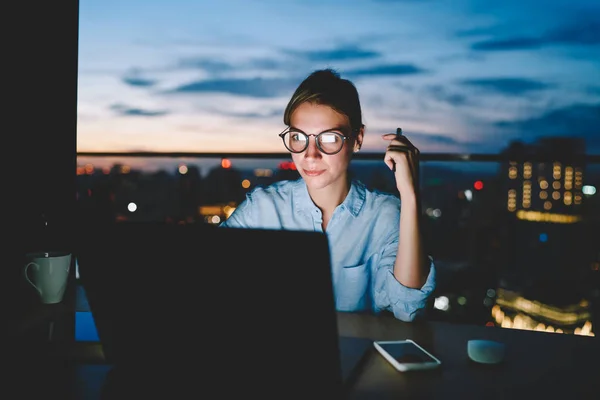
135,78
442,94
384,70
577,33
125,110
458,76
343,53
254,87
577,120
507,86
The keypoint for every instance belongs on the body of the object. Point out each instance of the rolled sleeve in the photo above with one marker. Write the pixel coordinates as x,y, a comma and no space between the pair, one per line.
404,302
241,216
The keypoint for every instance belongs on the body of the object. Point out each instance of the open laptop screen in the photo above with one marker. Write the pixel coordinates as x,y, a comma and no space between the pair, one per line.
253,305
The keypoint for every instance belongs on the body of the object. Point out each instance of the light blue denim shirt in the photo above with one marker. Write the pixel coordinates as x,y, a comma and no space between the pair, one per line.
363,241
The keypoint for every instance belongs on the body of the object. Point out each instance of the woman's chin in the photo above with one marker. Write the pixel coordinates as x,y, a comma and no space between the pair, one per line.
316,182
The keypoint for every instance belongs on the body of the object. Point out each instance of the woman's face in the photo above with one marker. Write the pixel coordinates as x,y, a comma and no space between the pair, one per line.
320,170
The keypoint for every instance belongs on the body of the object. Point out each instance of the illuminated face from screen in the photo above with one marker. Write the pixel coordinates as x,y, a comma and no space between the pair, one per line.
318,169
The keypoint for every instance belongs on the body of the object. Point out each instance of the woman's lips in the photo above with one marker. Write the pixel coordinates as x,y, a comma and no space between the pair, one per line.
308,172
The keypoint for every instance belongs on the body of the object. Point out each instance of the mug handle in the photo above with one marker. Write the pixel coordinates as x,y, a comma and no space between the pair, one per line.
27,278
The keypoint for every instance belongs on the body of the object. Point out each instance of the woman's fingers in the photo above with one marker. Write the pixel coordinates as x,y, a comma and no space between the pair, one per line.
399,141
389,161
403,149
399,144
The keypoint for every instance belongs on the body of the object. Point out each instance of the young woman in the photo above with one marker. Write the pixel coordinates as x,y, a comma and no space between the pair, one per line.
377,256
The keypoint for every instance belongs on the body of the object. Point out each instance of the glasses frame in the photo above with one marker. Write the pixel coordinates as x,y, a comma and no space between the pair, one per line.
289,129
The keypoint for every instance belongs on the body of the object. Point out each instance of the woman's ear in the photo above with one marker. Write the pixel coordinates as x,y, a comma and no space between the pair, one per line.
359,139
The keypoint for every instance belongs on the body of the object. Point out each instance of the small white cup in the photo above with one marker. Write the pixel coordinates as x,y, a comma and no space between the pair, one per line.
48,273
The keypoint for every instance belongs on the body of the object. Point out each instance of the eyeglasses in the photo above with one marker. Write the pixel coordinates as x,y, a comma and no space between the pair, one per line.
328,142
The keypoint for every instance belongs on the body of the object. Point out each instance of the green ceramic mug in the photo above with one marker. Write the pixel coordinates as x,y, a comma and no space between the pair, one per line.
48,273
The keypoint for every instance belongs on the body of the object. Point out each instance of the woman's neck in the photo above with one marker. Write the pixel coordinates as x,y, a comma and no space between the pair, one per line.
331,196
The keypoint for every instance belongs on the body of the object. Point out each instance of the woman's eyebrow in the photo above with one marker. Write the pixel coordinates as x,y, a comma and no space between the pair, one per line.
293,128
340,128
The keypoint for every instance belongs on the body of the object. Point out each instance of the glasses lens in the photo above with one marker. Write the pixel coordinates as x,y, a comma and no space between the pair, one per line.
330,142
295,141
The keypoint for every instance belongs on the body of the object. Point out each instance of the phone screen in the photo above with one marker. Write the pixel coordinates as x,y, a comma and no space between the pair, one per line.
406,353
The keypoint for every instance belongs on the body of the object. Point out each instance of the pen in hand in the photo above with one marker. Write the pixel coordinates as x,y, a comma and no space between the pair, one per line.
398,133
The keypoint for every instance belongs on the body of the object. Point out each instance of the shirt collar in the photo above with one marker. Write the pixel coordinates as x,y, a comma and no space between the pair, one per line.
353,202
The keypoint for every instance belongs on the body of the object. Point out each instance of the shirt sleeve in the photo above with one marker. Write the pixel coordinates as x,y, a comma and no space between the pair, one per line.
241,216
405,303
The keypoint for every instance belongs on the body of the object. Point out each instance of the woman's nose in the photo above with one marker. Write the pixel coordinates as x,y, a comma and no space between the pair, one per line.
312,151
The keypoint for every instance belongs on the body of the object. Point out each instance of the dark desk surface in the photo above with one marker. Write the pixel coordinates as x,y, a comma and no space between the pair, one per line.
537,365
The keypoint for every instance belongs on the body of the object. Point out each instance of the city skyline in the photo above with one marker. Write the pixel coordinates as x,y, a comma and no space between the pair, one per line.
215,76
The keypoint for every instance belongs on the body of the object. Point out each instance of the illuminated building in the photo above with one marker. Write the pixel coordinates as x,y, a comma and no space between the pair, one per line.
548,253
545,181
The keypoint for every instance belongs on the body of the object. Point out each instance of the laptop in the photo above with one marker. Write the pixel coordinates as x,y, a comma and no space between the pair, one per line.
216,309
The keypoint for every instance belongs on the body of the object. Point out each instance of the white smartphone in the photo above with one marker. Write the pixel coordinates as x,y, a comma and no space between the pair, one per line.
406,355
